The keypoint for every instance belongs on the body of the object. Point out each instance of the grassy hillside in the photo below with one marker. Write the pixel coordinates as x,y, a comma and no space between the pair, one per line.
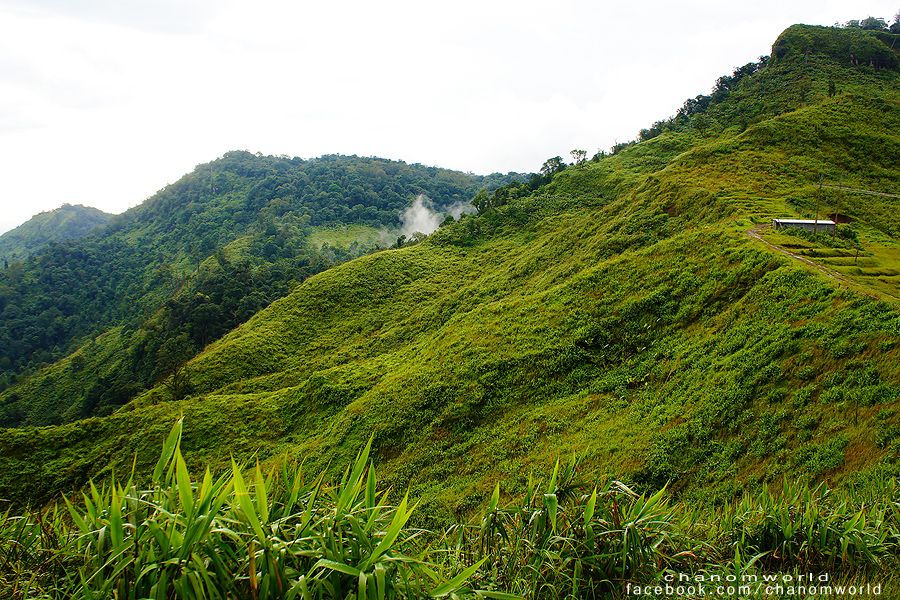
621,312
628,312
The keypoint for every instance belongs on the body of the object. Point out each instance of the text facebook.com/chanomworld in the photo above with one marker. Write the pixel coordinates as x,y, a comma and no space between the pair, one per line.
682,584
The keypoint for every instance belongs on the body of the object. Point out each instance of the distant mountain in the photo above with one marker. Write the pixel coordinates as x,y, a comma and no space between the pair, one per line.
165,278
67,222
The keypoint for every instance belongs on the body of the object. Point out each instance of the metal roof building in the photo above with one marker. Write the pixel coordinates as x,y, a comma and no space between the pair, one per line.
823,225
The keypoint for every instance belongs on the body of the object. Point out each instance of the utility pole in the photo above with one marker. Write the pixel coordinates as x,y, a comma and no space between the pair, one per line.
818,201
836,206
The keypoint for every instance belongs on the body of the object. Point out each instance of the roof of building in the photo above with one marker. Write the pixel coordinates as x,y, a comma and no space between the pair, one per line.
806,221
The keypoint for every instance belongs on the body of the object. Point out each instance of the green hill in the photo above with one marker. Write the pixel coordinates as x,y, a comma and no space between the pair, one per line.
127,306
64,223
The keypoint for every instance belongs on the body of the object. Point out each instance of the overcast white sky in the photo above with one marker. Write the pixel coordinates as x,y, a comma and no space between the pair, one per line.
103,102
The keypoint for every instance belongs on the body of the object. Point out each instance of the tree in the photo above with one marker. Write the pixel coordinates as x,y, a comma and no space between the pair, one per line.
15,273
552,166
206,319
873,24
869,24
700,123
579,156
172,361
482,201
619,146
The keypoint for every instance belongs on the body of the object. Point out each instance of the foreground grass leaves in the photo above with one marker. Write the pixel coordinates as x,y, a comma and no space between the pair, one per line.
227,538
282,535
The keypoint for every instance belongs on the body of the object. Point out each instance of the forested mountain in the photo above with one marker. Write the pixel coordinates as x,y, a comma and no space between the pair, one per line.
67,222
633,310
201,256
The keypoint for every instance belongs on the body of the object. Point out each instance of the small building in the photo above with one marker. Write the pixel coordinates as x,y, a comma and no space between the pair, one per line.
817,225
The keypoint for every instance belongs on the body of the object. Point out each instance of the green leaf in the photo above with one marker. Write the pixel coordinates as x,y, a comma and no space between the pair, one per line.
243,498
370,488
351,487
293,480
162,540
169,446
552,504
495,497
362,585
589,507
401,516
551,487
262,501
307,513
116,530
497,595
324,563
380,581
183,480
456,582
76,516
299,588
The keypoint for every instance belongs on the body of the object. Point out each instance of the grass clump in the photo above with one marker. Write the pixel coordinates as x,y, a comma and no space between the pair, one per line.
279,535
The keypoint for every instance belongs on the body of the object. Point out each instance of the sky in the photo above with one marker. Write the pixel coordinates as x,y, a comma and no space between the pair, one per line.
104,102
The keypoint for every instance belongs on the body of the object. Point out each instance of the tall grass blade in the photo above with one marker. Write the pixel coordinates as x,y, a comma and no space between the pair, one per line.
168,449
243,498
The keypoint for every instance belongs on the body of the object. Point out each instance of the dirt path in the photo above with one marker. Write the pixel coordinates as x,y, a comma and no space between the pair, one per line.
831,274
844,188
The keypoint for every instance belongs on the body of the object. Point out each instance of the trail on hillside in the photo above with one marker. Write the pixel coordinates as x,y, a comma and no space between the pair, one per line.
830,273
755,233
844,188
